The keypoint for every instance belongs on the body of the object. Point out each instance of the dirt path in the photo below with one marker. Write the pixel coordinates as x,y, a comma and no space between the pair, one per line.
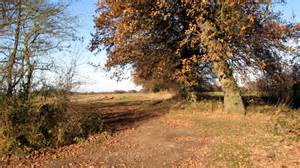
152,134
153,144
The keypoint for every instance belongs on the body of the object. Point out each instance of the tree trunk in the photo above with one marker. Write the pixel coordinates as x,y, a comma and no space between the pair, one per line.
29,65
233,101
12,56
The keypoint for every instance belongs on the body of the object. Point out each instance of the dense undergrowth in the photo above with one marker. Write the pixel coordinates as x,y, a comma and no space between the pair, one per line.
43,121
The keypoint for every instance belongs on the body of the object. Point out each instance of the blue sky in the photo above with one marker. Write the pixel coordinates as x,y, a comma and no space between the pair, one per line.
93,79
98,80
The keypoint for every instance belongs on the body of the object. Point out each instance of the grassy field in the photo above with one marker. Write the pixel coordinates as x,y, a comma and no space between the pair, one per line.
153,130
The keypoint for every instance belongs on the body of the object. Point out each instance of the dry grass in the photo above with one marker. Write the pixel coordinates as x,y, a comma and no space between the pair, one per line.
238,140
189,135
112,97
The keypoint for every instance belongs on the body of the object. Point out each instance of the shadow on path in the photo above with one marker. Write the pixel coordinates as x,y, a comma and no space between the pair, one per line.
124,114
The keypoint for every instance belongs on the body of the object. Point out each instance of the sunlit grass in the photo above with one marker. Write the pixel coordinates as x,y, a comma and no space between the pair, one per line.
239,140
107,97
232,154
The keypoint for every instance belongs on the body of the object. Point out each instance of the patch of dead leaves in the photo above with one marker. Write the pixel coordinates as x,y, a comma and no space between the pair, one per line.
180,123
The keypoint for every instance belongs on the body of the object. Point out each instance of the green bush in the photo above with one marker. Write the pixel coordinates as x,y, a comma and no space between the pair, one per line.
156,88
91,124
31,125
188,95
41,122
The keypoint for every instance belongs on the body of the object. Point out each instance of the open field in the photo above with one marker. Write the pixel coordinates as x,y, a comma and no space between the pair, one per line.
152,130
193,83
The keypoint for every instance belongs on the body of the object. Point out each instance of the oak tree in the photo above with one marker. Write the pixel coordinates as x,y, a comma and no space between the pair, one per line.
167,39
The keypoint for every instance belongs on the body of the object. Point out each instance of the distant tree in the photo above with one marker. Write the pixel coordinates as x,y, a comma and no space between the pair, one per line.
174,39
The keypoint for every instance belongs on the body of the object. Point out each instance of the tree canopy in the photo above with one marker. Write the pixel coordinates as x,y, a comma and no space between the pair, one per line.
186,40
